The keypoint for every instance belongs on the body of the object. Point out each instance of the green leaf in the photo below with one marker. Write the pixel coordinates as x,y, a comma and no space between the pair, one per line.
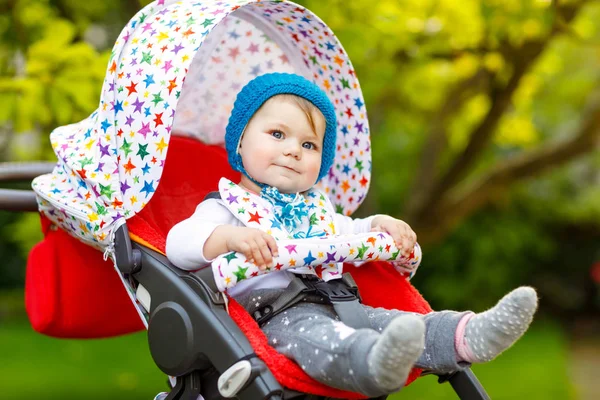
60,105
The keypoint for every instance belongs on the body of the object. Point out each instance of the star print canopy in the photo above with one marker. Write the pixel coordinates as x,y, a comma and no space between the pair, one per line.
175,70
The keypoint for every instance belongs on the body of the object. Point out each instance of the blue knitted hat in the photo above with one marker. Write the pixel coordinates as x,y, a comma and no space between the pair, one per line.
262,88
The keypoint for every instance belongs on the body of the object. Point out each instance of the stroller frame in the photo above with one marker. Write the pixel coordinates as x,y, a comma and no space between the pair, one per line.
194,358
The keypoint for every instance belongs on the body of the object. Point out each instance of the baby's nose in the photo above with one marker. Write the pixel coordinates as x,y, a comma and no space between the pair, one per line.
293,148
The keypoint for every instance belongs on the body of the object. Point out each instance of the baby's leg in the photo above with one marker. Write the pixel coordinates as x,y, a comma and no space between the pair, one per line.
439,354
482,337
359,360
454,340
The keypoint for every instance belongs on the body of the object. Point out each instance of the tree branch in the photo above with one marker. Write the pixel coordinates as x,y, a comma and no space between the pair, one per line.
437,143
462,202
523,59
131,7
404,56
483,133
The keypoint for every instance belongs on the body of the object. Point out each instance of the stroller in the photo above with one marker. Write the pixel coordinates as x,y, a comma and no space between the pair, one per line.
135,167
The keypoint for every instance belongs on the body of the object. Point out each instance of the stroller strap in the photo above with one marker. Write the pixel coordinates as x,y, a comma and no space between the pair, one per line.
342,294
213,195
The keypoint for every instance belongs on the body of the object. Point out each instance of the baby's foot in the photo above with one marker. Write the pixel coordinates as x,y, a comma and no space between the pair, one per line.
398,347
491,332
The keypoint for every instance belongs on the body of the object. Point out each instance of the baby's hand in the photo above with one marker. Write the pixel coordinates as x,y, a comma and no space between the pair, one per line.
404,237
259,247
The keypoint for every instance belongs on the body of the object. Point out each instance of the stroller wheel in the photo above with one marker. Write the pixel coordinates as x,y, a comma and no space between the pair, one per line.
163,396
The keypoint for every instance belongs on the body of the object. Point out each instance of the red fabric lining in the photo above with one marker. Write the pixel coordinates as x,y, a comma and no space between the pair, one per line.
71,292
191,171
287,372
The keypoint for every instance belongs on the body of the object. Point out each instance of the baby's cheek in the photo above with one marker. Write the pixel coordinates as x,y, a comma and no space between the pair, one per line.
315,166
260,157
315,169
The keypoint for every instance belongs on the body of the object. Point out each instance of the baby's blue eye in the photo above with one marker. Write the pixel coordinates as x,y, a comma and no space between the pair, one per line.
277,134
308,145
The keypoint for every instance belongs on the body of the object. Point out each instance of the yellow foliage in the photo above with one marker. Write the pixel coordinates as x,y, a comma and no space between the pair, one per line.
542,3
550,64
470,115
33,13
513,6
466,65
517,131
424,85
464,25
62,79
30,105
532,29
524,95
493,61
585,28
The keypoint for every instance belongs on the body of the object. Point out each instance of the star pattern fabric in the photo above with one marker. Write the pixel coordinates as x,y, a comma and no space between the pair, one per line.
257,212
321,256
110,164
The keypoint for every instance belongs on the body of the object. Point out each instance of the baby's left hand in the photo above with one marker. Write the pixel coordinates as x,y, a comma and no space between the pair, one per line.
404,237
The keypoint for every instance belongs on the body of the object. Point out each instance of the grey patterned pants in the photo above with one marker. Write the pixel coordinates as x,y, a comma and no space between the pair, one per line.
335,354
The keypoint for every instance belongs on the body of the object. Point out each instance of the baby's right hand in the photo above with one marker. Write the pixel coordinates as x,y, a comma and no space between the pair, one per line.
259,247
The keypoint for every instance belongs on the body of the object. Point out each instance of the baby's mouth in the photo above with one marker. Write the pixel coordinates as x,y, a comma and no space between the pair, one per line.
288,168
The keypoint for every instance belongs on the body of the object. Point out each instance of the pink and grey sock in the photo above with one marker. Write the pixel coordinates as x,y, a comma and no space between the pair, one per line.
482,337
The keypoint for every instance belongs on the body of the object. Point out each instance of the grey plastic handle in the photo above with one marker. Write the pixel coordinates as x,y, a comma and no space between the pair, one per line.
21,200
24,171
17,200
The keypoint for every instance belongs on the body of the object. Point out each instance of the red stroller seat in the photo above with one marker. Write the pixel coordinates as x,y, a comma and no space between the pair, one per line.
63,271
380,285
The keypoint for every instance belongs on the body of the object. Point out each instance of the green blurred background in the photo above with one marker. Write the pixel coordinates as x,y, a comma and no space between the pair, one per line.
485,120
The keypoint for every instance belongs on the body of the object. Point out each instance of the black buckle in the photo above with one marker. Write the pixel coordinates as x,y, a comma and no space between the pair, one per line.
263,314
315,290
334,290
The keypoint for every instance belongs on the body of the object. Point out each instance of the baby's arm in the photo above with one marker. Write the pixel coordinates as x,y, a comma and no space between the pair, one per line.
209,232
185,241
257,246
347,226
404,237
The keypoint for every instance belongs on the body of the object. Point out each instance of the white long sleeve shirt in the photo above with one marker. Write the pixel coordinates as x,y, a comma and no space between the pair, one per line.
185,242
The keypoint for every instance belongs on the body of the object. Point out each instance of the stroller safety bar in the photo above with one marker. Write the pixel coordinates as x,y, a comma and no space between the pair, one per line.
323,254
465,384
21,200
21,171
18,200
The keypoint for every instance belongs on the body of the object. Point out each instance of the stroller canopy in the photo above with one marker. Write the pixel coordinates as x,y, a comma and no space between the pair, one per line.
176,69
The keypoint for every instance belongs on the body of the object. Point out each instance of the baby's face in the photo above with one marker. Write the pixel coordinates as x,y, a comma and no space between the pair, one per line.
279,147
